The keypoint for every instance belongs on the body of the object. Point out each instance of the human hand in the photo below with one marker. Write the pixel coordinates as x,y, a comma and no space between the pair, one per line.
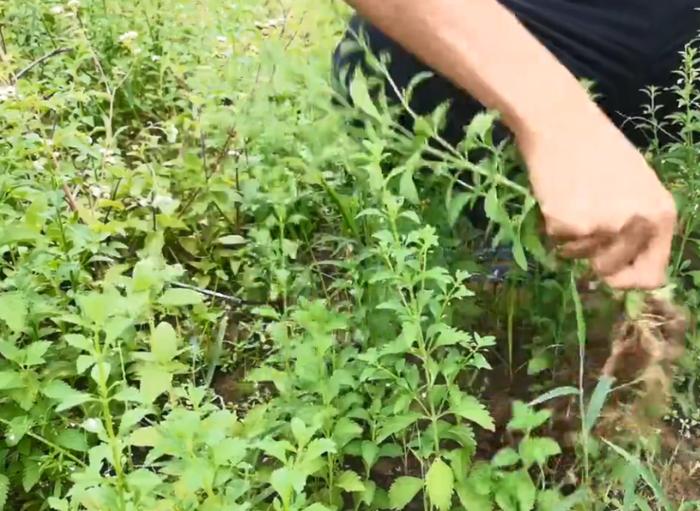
600,199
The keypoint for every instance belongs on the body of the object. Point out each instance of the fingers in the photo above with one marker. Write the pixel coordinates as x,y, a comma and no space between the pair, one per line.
649,270
584,247
626,247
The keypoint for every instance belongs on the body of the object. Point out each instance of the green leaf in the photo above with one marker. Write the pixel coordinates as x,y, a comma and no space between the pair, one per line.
4,490
468,407
30,475
145,437
349,481
471,500
13,311
480,124
83,363
66,396
317,507
403,490
302,433
95,307
506,457
516,492
578,308
519,254
595,406
176,297
455,207
285,481
537,450
359,93
396,424
10,380
645,474
232,240
154,381
230,451
346,430
407,187
439,483
57,504
491,206
100,372
553,394
78,341
34,353
164,342
526,418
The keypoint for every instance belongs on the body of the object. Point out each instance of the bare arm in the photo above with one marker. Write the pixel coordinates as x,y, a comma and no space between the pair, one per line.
483,48
596,192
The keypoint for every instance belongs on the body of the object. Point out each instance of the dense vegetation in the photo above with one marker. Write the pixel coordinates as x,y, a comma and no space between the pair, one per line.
219,289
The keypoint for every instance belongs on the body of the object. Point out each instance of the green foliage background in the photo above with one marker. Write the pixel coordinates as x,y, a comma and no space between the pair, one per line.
219,292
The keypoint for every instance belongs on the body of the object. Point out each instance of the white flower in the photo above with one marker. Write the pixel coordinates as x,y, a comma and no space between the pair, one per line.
56,10
164,203
73,4
126,37
222,39
92,425
155,58
7,92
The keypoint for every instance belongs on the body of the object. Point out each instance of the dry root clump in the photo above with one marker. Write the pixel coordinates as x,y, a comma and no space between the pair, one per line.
642,359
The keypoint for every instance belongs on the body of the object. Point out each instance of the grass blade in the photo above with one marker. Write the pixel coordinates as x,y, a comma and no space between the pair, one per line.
645,474
595,406
553,394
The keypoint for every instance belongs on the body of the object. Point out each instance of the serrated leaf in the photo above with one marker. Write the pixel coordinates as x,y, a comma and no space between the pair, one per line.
131,418
230,451
439,484
78,341
34,353
350,482
403,491
525,418
395,424
13,310
66,396
468,407
346,430
480,124
537,450
154,381
30,475
164,342
176,297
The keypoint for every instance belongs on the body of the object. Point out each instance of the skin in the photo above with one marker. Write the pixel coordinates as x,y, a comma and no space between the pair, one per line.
599,198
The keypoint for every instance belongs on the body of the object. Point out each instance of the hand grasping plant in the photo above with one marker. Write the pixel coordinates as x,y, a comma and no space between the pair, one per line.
599,197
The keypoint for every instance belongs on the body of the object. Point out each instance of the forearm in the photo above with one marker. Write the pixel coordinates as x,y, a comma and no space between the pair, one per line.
481,47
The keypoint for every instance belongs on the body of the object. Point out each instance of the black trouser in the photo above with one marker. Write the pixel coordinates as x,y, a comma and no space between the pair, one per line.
620,45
